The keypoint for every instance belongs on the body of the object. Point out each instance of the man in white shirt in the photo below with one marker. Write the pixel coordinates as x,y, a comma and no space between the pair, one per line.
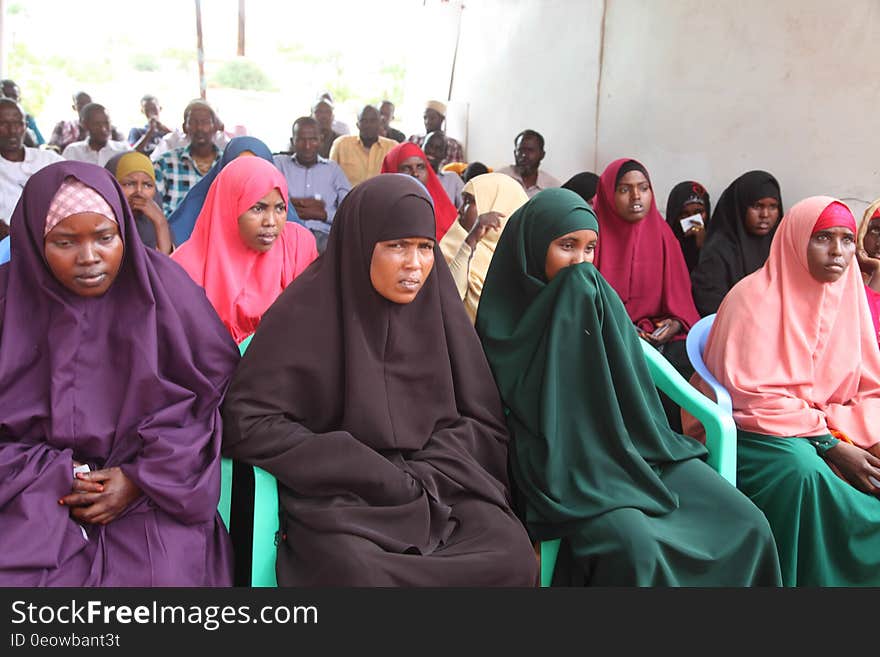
528,153
97,147
17,162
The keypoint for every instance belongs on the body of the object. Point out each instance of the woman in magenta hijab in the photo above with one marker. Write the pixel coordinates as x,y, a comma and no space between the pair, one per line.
640,257
112,369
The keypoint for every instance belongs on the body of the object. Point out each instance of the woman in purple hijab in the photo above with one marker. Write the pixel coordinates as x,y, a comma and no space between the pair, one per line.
112,361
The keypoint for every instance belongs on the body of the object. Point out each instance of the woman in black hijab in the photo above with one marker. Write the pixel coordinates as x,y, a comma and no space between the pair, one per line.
366,393
585,184
686,199
738,238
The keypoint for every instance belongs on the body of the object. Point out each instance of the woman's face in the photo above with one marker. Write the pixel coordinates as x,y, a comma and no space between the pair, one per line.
400,267
762,216
260,226
84,253
467,212
633,196
690,209
871,241
138,183
830,252
570,249
414,166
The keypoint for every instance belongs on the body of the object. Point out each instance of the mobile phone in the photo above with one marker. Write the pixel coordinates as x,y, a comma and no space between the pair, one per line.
659,331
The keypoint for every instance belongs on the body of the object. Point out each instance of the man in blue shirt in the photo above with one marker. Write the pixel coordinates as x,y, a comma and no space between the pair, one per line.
315,184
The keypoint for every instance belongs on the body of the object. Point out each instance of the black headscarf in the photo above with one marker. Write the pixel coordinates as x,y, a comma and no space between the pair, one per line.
730,253
689,191
584,184
375,417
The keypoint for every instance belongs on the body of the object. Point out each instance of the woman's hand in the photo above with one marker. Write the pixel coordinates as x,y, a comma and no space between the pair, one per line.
485,222
98,497
869,266
664,331
854,465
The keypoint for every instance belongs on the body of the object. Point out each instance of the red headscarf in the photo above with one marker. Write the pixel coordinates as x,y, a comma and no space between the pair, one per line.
642,261
444,211
242,283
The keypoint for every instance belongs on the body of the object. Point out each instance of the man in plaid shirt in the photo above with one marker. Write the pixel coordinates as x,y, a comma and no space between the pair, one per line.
178,170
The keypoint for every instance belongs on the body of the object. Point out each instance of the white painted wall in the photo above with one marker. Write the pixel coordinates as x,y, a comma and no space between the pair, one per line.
530,64
703,89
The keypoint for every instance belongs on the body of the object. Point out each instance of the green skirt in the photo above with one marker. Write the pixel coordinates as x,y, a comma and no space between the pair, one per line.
716,537
827,532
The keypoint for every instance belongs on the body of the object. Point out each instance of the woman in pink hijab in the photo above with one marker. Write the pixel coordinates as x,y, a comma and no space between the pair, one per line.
243,251
794,344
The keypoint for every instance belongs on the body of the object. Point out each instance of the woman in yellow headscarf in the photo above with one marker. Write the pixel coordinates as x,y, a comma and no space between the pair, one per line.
469,244
135,174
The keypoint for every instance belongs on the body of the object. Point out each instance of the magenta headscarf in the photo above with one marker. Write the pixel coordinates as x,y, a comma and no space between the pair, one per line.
642,261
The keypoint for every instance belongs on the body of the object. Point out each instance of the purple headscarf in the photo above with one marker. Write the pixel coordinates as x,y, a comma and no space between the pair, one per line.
133,379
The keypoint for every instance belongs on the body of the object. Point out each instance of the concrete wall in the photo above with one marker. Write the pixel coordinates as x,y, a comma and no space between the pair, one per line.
527,64
703,89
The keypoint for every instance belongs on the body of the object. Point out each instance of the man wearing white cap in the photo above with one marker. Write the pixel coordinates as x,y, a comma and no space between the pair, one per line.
434,116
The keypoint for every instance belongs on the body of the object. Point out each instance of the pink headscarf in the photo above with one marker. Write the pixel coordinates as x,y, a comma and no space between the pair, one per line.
242,283
74,197
799,357
642,261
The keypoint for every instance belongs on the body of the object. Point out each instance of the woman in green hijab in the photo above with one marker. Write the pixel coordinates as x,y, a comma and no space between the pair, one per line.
593,458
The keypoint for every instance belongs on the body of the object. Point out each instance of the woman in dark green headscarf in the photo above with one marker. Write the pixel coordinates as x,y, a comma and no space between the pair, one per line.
593,458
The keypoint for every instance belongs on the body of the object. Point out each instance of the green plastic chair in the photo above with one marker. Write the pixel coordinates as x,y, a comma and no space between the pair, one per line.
265,505
719,426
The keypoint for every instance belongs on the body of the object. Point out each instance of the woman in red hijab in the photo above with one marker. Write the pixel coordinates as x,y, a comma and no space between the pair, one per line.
640,257
243,251
409,159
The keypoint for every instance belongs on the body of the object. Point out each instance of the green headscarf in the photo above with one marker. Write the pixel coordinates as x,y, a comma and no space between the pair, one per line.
588,429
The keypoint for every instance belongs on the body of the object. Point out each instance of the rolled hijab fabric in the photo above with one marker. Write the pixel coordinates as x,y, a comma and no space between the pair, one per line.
642,261
689,191
239,281
730,252
183,219
133,378
871,212
492,192
444,211
123,164
799,357
588,429
584,184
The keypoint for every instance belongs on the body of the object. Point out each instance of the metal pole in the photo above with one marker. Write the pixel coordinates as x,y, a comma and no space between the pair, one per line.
241,28
201,51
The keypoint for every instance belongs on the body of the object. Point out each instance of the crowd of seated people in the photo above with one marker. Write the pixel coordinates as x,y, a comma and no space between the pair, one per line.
443,367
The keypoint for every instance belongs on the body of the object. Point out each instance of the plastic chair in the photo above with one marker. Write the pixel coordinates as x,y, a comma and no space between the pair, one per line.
695,343
718,423
265,504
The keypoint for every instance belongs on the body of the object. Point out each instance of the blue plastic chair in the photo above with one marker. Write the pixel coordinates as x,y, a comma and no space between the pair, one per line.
265,505
718,423
695,343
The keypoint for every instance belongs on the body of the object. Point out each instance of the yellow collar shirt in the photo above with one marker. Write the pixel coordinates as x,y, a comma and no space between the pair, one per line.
356,161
